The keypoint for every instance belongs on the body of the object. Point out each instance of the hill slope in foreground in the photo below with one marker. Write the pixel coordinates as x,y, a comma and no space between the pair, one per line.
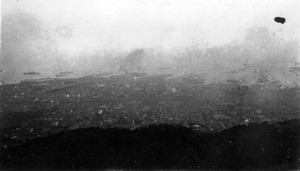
253,146
128,121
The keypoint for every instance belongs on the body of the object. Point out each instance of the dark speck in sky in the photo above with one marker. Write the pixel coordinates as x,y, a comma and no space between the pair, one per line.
279,20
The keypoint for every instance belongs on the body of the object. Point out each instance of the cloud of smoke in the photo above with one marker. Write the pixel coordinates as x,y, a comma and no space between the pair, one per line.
30,45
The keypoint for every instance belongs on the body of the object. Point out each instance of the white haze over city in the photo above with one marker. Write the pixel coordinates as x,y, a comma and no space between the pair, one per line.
207,36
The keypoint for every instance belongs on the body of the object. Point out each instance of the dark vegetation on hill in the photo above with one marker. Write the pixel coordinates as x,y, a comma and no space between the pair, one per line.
258,145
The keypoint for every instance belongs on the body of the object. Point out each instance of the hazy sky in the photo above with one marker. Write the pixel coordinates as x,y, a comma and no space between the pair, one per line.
127,24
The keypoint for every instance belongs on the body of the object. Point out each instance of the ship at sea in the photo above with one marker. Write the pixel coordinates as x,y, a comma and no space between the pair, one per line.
31,73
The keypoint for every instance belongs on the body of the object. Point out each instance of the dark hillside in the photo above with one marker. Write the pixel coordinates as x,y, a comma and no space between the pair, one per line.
253,146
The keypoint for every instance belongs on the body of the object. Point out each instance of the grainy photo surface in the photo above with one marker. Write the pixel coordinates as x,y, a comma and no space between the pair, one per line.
150,84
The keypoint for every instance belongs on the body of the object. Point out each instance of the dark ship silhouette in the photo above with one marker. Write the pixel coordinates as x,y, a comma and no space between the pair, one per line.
31,73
